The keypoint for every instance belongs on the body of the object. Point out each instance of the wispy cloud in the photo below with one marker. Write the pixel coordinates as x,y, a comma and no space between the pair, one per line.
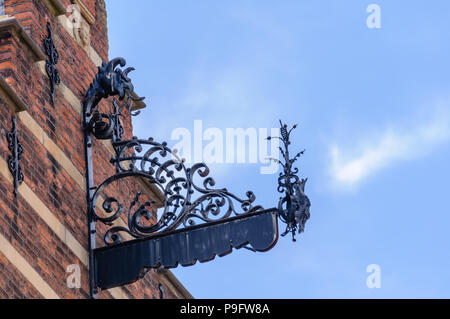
349,167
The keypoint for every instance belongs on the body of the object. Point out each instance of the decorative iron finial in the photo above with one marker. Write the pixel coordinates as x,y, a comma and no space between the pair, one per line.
16,150
293,208
50,64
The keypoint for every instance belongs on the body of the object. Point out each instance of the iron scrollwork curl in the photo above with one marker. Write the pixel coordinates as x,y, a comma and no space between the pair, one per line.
109,126
186,201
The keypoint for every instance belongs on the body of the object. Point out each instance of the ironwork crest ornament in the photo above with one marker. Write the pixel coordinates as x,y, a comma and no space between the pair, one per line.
52,61
196,220
16,150
293,208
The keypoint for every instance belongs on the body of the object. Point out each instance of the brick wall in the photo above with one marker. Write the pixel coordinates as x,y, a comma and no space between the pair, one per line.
44,229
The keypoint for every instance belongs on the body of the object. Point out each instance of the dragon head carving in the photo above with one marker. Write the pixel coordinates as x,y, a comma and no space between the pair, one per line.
111,81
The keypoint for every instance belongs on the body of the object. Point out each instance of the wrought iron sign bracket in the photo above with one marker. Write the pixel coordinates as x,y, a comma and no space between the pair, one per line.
16,150
196,221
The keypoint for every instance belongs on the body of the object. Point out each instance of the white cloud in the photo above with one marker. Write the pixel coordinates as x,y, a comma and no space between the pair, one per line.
350,167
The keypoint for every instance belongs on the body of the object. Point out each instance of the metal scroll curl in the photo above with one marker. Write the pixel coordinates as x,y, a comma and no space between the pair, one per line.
189,194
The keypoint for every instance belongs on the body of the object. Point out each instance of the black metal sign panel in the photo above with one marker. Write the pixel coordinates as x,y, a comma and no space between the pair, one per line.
125,263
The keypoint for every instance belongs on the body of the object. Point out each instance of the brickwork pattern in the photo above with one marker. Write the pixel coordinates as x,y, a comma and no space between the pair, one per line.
20,224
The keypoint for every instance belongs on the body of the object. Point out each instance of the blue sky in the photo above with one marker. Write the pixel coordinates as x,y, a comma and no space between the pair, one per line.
374,112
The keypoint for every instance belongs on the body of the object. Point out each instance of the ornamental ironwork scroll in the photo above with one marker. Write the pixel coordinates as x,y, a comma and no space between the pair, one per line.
186,201
52,61
197,219
16,150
